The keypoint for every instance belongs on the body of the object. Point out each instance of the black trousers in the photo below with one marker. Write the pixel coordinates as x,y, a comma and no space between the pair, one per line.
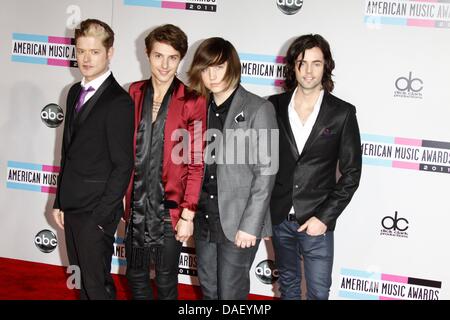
223,269
166,271
91,249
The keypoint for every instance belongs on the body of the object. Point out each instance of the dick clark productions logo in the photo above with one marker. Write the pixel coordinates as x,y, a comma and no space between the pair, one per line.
395,223
289,7
408,87
394,226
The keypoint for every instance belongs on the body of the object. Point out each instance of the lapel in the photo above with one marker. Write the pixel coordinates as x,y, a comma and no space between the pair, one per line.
322,118
139,102
237,106
283,108
93,100
174,104
70,112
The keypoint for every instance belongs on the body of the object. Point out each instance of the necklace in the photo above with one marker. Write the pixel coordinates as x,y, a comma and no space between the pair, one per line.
156,106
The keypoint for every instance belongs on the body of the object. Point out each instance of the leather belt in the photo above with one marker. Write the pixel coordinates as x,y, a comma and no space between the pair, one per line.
291,217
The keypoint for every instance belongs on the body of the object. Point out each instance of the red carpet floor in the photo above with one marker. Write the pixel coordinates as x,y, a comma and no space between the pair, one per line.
23,280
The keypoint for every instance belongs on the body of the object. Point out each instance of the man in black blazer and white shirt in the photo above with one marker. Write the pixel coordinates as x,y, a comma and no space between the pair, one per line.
96,161
318,133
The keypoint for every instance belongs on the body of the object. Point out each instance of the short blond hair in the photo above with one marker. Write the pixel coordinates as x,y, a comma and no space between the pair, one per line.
98,29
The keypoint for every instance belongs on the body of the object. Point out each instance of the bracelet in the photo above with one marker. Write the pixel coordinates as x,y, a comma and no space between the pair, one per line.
184,219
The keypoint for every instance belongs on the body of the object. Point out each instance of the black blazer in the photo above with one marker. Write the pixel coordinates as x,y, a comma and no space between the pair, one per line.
308,180
97,152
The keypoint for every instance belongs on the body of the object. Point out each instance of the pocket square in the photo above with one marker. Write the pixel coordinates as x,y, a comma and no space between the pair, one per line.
240,117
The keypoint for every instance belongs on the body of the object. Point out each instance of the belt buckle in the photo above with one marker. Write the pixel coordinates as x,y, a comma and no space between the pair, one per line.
291,217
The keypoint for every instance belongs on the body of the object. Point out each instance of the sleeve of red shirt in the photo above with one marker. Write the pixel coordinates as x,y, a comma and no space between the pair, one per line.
196,126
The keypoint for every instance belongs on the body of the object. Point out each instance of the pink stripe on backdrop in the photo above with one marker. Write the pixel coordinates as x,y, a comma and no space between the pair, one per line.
58,62
173,5
408,142
405,165
421,23
48,189
60,40
388,298
50,168
279,83
279,59
393,278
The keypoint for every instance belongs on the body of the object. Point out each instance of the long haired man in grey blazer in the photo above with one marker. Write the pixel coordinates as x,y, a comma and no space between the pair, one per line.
241,161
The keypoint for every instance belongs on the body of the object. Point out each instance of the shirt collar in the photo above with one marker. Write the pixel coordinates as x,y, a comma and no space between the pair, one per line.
225,105
97,82
316,106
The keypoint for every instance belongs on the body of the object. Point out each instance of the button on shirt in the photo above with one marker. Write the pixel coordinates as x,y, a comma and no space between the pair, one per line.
207,220
302,131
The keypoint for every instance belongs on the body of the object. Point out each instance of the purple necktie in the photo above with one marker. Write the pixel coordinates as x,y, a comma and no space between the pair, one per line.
81,98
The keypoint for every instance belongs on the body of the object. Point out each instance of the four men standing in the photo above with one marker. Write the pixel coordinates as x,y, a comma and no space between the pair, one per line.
318,133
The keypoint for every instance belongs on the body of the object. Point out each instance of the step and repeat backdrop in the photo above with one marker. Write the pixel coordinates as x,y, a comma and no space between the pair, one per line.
391,63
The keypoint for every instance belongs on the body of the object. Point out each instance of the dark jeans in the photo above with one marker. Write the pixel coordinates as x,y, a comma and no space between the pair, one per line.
317,252
91,249
166,271
223,269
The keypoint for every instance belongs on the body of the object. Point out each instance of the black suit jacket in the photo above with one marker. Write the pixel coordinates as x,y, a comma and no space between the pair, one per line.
308,180
97,152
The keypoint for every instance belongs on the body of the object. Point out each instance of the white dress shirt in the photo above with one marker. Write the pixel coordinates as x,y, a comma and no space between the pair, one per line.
302,131
96,83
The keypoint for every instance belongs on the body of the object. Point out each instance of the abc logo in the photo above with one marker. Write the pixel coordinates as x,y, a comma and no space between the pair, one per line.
409,84
46,241
52,115
266,272
289,6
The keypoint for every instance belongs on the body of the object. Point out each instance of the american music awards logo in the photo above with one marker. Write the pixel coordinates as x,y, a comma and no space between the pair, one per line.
32,177
191,5
118,257
406,153
366,285
408,13
188,262
262,69
41,49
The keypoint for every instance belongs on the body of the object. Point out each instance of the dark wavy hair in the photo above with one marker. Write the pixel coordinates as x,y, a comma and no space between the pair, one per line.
299,46
168,34
213,52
